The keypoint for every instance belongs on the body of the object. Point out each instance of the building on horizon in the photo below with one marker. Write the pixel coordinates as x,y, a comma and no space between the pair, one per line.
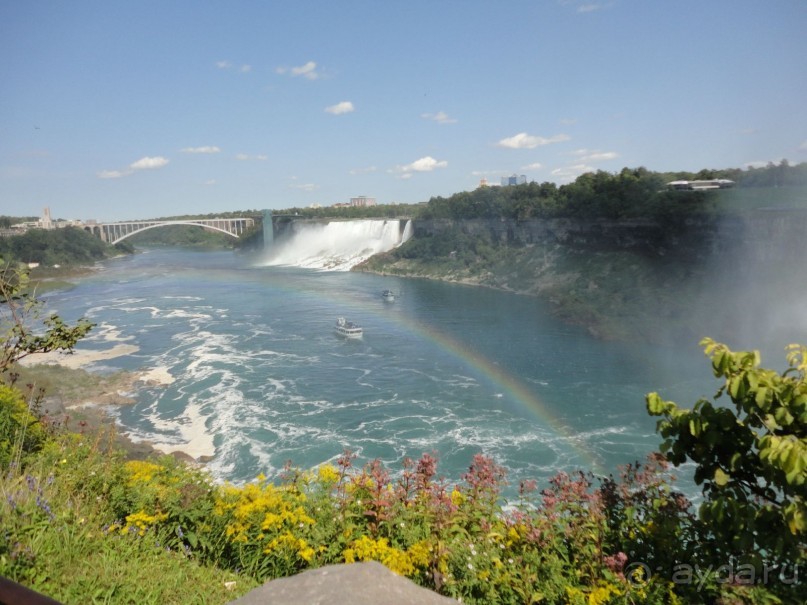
514,179
362,200
700,185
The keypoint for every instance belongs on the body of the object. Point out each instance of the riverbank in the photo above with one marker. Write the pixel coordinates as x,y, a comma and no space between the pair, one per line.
76,399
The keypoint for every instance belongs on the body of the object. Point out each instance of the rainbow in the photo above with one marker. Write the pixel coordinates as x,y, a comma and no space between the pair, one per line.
511,386
508,383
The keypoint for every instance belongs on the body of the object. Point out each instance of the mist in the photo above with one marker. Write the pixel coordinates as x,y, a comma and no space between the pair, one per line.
335,245
753,286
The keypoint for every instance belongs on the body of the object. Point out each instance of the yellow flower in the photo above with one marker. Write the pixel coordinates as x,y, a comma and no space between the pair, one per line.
141,471
401,562
603,593
457,498
328,474
142,521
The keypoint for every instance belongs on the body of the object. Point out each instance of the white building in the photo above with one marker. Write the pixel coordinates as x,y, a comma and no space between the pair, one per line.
362,200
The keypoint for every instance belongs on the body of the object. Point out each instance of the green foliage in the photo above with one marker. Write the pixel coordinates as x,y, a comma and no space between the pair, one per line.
21,322
69,246
59,535
630,193
6,221
349,212
21,432
750,456
185,236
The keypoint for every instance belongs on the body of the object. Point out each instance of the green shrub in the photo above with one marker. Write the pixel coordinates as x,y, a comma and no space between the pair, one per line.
21,432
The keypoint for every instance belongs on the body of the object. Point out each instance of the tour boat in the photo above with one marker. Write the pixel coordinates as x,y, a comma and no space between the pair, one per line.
388,295
348,329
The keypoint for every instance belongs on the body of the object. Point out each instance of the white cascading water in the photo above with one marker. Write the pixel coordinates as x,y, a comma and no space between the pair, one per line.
338,245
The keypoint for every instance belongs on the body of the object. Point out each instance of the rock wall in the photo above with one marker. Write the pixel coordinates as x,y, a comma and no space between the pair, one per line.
764,231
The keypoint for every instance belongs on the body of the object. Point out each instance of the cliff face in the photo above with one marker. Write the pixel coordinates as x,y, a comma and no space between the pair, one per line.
625,279
762,230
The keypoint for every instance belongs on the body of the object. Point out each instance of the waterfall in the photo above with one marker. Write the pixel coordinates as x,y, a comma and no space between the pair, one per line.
337,245
407,232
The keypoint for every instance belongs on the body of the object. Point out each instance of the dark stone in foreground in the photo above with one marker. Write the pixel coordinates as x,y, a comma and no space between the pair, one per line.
355,584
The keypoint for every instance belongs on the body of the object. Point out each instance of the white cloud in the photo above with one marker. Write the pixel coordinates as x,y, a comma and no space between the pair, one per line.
533,166
588,8
568,121
244,157
148,163
588,155
601,156
145,163
425,164
113,174
204,149
440,116
526,141
227,65
569,173
305,186
487,172
803,146
340,108
307,71
210,183
585,7
366,170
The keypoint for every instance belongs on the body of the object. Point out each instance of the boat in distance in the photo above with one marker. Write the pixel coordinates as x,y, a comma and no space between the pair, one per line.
388,295
348,329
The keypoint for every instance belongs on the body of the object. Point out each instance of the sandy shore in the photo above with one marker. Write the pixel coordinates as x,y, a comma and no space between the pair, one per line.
79,358
85,410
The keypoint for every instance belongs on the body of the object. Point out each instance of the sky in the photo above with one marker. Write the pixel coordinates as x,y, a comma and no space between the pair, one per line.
132,110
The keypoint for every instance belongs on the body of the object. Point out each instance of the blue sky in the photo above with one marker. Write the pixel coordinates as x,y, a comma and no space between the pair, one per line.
113,110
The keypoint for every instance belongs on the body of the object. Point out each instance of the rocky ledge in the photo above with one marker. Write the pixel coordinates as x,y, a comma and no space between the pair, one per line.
356,584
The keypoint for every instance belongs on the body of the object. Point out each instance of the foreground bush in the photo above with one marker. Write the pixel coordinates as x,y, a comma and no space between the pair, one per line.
82,524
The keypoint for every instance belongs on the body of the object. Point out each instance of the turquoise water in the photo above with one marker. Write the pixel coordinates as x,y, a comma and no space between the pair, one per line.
260,378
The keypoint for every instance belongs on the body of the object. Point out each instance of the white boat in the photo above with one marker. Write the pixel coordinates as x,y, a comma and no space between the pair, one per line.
388,295
348,329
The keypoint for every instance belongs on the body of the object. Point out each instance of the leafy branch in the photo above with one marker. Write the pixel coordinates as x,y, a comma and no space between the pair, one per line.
23,330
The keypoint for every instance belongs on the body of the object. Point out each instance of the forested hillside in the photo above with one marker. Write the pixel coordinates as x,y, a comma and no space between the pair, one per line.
67,247
618,253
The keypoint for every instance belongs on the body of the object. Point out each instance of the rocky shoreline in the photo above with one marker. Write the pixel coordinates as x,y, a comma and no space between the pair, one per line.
75,399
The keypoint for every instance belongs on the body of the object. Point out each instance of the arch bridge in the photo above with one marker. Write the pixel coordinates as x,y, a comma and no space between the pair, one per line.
112,233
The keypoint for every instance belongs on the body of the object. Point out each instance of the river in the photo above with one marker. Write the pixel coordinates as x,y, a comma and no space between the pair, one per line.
258,376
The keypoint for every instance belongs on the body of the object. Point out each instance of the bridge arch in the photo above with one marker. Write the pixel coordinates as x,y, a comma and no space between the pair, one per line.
168,224
113,233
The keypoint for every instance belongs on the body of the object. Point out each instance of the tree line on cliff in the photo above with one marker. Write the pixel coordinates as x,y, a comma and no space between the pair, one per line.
629,193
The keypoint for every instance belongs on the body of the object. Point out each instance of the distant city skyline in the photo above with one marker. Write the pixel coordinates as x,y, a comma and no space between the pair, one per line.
118,111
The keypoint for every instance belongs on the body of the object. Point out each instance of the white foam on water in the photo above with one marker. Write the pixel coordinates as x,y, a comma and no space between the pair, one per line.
187,434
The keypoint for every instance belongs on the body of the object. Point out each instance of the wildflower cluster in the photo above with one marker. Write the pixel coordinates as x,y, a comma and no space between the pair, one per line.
266,527
628,538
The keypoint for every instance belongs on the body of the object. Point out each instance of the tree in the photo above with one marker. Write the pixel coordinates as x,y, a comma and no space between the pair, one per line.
21,323
750,457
